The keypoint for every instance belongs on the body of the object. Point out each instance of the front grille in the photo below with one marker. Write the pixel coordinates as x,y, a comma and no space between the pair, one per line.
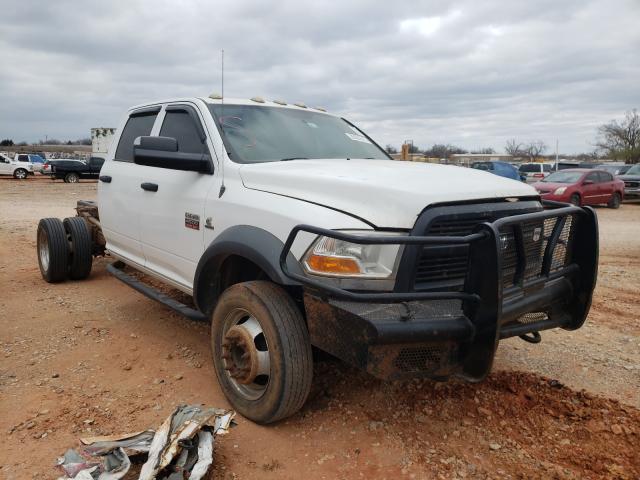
445,268
632,184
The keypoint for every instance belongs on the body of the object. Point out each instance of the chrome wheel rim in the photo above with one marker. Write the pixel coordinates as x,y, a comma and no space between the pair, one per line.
43,250
21,174
73,179
245,354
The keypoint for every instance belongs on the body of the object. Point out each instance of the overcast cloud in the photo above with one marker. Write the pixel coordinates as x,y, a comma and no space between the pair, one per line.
468,73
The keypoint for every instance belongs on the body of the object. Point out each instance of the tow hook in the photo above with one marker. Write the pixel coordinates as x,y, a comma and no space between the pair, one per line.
533,337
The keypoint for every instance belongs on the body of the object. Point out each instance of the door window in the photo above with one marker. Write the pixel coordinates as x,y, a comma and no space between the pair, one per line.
23,158
605,177
138,125
180,124
593,177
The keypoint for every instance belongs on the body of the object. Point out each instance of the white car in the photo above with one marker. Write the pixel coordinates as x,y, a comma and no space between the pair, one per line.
291,228
535,172
36,161
19,170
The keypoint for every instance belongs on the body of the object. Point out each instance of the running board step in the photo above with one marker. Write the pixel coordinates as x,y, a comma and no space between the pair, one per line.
115,269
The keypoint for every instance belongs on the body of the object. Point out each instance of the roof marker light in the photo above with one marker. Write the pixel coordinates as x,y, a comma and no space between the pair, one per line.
257,99
215,96
280,102
301,105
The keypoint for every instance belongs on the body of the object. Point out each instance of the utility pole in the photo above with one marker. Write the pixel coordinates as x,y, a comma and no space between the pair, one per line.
556,154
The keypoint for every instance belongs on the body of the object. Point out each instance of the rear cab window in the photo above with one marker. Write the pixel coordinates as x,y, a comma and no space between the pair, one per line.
139,124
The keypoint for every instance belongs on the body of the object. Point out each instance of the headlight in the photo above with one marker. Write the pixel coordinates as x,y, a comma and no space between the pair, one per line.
559,191
331,257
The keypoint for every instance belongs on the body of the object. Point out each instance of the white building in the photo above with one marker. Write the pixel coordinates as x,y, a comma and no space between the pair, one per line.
101,139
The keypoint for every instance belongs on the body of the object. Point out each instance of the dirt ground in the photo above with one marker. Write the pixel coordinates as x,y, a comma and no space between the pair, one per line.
95,357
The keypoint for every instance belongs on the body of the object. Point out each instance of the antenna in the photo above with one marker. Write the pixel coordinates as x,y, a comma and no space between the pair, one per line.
222,187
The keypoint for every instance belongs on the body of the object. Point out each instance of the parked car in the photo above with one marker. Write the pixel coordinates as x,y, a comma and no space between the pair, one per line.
36,161
290,228
631,181
534,172
581,186
502,169
47,167
73,171
613,169
19,170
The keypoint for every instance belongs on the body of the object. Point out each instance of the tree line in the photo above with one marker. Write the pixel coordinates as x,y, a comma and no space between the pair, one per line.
616,140
8,142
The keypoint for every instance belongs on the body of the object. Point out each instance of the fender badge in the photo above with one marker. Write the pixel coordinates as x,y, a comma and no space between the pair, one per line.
192,221
536,234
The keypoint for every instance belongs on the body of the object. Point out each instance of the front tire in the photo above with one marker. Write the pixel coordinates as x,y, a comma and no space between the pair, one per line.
71,178
20,173
615,201
575,200
261,351
53,250
80,258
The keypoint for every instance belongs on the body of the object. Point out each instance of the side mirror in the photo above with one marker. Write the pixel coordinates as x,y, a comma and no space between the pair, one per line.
162,152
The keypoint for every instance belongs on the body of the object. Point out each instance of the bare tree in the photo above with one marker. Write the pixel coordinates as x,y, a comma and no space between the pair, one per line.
514,148
535,149
621,139
484,151
391,149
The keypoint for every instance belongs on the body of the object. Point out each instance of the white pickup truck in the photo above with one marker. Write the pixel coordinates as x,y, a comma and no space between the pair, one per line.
291,228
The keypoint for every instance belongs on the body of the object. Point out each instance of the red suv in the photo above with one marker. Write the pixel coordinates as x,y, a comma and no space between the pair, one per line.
582,186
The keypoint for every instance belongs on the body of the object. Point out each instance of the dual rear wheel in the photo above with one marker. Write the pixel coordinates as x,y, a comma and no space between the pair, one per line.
64,249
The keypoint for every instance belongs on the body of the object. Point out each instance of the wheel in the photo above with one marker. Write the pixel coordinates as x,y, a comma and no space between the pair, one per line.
615,201
80,258
20,173
71,177
575,200
261,351
53,250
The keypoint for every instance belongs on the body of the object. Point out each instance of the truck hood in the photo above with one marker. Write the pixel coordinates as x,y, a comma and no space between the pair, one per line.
385,193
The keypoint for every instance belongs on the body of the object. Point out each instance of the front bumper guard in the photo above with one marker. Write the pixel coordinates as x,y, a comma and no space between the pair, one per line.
373,330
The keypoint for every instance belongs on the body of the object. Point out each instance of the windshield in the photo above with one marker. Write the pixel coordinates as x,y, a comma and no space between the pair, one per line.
254,134
635,170
563,177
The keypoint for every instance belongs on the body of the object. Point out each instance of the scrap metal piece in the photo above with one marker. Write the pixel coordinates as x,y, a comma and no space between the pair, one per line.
181,448
183,424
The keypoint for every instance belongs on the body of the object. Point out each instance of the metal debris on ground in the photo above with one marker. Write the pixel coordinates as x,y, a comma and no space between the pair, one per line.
181,448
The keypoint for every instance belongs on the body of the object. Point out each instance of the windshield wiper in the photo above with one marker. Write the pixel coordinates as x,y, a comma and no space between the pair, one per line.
293,158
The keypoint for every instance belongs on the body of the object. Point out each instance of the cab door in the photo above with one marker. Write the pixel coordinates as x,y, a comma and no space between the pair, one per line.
173,201
119,191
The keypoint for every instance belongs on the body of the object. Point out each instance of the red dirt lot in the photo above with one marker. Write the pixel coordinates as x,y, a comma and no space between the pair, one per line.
95,357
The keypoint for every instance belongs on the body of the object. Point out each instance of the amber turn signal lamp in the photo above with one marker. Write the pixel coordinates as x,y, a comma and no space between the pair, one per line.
334,265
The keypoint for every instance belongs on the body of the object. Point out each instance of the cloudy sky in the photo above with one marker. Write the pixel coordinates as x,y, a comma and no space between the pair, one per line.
469,73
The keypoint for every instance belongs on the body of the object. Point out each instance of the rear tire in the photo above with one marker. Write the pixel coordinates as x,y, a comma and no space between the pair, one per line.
575,200
53,250
80,258
257,327
615,201
20,173
71,178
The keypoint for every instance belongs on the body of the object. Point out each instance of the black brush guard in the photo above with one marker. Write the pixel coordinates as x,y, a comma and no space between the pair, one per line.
437,334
